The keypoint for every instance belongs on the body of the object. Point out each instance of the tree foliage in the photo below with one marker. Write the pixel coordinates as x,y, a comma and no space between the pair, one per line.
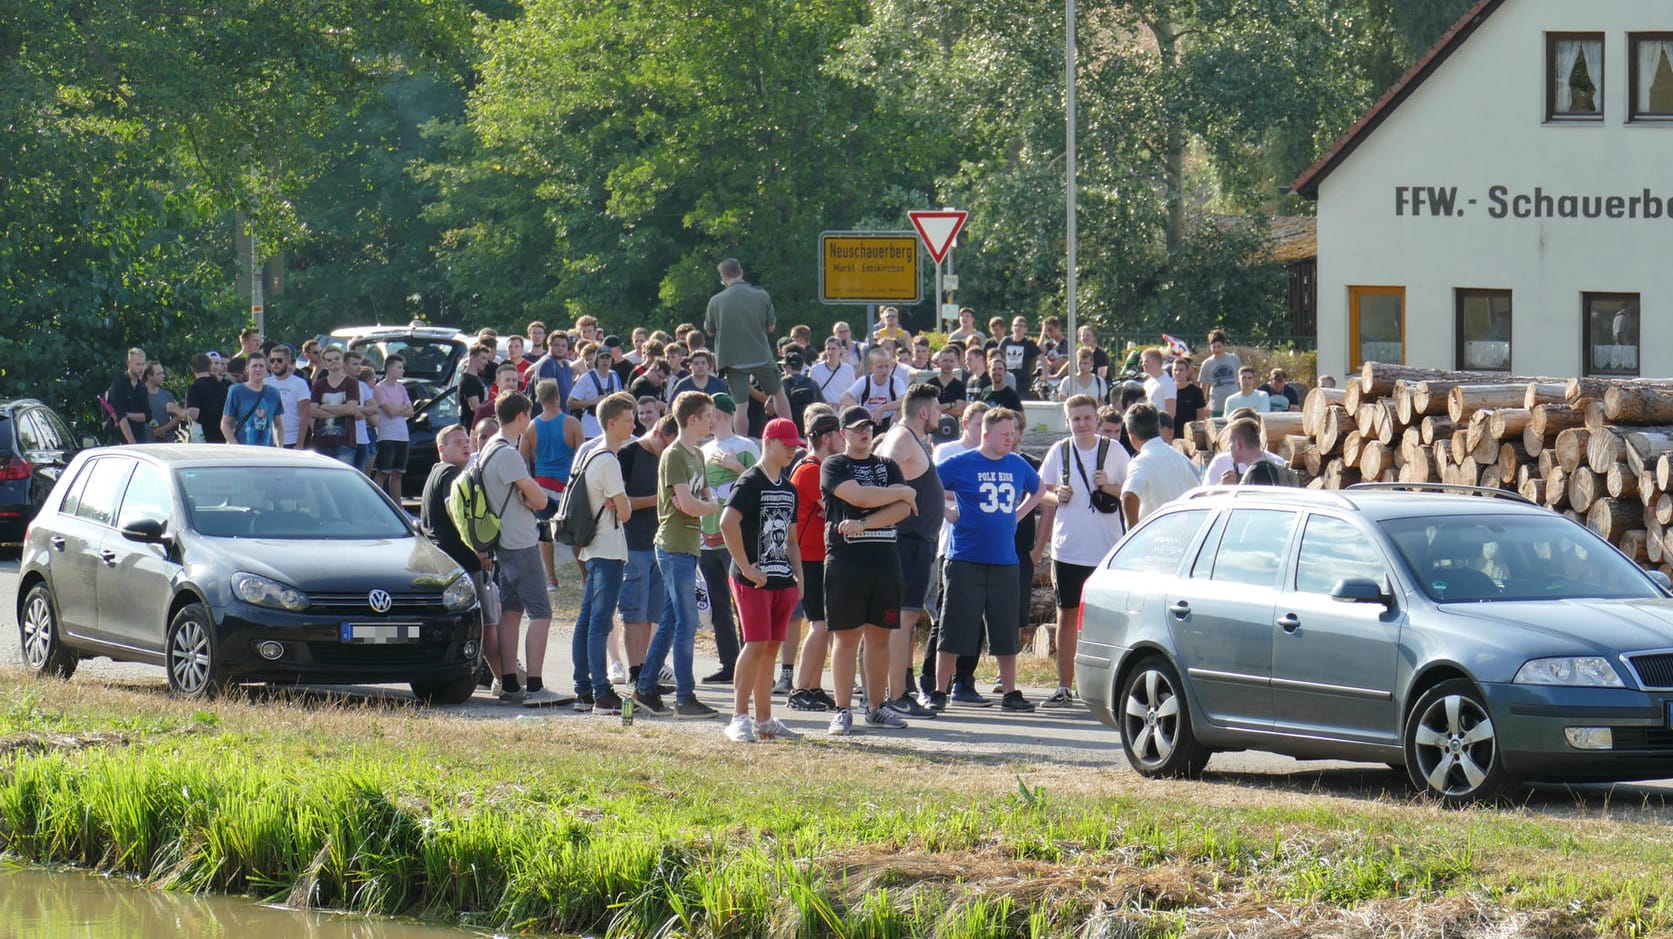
490,161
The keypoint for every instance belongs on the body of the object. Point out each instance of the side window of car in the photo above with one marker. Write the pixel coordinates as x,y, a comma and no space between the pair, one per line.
103,491
1252,548
28,433
1332,550
54,434
74,488
148,496
1159,546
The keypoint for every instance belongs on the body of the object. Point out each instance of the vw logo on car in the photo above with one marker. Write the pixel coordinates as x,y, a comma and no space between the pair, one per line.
379,601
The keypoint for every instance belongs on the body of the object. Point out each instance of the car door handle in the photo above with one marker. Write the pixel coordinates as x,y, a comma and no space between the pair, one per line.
57,542
1289,622
108,556
1180,609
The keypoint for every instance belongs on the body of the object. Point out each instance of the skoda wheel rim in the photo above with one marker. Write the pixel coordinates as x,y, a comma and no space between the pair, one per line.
1152,718
37,632
189,657
1455,745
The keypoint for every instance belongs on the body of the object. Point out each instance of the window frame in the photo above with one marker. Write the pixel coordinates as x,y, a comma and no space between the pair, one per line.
1357,292
1459,296
1292,583
1586,299
1634,115
1552,116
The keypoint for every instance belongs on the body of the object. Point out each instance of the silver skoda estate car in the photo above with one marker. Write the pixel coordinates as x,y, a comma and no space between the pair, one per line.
1469,636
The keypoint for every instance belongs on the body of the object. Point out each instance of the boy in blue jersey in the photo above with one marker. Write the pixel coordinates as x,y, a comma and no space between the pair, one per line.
993,487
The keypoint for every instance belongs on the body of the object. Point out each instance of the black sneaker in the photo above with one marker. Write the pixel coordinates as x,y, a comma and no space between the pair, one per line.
651,704
824,697
484,678
938,700
692,709
964,694
1014,701
907,706
803,700
722,677
608,703
584,704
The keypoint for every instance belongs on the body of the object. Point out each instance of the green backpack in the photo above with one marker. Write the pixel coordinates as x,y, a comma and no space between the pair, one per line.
473,514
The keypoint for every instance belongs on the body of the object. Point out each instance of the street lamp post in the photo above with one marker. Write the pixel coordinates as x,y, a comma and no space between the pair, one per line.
1069,161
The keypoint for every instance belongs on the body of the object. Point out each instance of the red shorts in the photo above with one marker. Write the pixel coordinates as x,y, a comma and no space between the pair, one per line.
763,615
547,482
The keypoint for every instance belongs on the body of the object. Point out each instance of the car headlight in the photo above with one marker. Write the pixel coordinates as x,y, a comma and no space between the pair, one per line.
257,590
1582,671
460,594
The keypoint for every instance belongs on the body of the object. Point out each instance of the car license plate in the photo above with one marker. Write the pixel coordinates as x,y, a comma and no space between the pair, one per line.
381,633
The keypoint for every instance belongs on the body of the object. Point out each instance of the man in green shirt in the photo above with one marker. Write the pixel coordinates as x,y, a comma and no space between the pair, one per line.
740,317
682,499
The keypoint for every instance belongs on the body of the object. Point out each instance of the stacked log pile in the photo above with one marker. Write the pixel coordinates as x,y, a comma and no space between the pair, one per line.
1599,450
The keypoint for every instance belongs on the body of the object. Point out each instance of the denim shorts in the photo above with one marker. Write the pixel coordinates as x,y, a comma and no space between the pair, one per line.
642,593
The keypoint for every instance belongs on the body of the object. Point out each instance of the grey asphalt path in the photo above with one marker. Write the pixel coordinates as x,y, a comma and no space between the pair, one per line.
1067,738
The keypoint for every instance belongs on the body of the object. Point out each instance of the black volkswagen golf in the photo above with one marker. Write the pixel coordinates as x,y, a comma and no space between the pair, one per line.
228,564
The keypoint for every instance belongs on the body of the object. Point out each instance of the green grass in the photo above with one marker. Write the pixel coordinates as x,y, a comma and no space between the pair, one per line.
601,830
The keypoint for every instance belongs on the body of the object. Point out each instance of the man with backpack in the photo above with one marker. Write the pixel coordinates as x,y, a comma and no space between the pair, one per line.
594,508
798,387
1082,512
517,504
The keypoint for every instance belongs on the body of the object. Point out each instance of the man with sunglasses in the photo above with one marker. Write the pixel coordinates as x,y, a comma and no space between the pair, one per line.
294,391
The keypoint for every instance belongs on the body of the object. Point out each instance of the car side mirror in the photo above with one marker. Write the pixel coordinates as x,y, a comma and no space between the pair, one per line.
145,531
1662,580
1359,590
88,441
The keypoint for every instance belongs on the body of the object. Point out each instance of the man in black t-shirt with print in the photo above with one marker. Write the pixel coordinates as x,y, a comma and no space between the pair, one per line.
206,399
865,495
1022,356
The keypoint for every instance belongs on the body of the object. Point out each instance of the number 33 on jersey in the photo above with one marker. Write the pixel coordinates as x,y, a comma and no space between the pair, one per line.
988,492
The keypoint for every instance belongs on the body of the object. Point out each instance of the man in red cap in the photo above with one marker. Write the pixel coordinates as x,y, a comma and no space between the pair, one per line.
759,526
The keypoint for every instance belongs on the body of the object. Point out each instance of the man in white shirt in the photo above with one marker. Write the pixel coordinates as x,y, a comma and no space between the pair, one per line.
1159,386
832,373
1158,474
1233,460
1081,533
605,558
1248,396
294,391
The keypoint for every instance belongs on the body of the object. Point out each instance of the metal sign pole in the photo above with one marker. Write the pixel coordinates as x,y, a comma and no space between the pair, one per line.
939,294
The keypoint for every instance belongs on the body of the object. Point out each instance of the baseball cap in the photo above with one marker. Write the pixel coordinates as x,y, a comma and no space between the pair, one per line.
947,429
781,429
724,402
213,355
613,341
823,424
792,359
855,416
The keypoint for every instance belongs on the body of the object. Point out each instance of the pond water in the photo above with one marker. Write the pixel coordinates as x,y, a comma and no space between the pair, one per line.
37,904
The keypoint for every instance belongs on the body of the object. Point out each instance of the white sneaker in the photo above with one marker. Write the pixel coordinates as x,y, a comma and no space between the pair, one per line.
741,730
617,673
842,723
774,729
666,676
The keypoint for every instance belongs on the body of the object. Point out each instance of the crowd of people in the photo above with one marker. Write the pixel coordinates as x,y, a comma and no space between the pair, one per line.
825,496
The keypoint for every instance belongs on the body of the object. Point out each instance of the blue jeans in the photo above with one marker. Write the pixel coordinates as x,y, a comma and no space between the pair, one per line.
340,454
677,630
592,627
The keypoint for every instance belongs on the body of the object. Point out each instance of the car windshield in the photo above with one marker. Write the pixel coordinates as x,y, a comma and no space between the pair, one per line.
289,502
433,360
1477,558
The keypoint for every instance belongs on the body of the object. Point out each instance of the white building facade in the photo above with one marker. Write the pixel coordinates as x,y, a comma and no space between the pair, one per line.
1508,205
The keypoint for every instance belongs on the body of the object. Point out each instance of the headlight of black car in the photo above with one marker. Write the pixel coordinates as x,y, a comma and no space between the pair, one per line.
460,594
257,590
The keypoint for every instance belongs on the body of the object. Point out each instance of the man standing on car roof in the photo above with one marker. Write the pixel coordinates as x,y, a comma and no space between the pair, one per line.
740,317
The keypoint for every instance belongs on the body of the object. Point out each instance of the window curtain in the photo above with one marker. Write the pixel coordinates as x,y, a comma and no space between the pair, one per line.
1655,76
1568,51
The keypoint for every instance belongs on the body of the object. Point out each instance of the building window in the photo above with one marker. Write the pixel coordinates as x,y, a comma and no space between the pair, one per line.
1574,76
1652,76
1610,333
1376,325
1484,330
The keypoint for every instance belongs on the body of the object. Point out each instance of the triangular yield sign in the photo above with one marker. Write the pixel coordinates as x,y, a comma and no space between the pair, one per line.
937,229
